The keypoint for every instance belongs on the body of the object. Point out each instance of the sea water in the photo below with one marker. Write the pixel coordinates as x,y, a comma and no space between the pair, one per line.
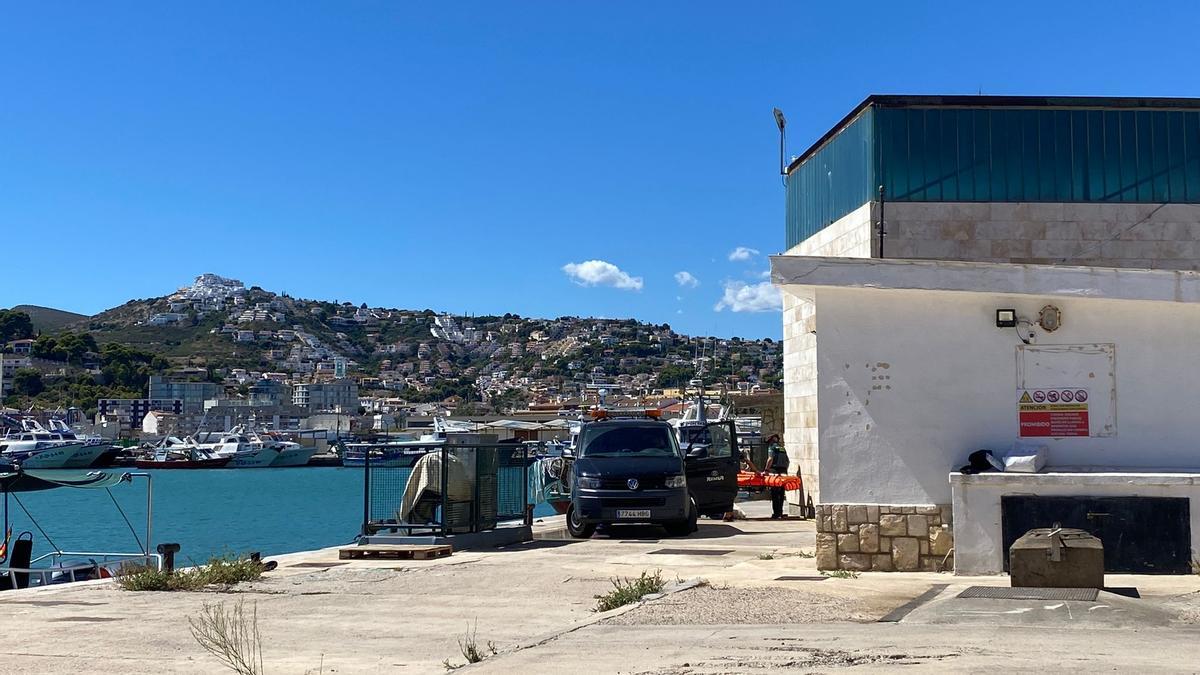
208,512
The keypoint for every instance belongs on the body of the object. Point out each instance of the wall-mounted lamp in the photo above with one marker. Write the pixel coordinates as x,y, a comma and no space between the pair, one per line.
1006,318
1050,318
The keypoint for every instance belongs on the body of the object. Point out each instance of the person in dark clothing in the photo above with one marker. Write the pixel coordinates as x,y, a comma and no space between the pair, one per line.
777,463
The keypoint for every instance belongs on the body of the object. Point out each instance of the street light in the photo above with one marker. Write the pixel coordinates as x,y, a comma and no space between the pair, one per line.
781,122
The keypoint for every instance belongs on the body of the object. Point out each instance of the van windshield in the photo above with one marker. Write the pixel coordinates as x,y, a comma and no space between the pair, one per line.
628,441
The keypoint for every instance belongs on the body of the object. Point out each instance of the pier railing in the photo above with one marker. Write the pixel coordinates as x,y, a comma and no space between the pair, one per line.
443,489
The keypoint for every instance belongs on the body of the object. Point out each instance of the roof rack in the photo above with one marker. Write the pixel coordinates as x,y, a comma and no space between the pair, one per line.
626,413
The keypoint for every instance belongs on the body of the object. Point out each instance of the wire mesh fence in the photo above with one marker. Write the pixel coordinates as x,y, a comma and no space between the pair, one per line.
443,488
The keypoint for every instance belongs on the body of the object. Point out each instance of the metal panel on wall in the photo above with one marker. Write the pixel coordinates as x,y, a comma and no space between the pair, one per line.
833,181
1039,154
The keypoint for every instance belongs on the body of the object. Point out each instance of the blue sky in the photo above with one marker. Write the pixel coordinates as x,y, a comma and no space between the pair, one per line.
478,158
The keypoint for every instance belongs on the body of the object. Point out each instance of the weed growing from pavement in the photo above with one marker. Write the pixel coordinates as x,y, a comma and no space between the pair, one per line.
841,574
627,591
231,636
468,644
766,556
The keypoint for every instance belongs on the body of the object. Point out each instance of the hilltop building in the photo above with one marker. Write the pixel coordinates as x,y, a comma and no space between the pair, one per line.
966,273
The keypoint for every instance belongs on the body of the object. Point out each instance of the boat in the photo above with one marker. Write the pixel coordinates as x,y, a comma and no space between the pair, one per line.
289,452
182,458
86,455
243,453
24,569
36,447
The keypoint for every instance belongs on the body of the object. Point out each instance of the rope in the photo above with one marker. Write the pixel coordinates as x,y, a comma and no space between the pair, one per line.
126,519
35,523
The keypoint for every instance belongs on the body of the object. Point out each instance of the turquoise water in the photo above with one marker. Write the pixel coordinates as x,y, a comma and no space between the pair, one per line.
207,512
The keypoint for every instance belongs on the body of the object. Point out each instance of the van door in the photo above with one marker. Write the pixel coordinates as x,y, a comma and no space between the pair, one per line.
712,464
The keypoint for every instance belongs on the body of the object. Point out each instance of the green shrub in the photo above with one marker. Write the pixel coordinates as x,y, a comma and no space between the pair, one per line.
628,591
219,571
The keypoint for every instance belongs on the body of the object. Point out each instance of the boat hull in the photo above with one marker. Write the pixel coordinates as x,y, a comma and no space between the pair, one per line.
48,458
85,456
218,463
294,457
258,459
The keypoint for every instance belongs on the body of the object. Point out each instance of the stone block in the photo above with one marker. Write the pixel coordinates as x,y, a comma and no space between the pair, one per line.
826,524
941,540
872,514
868,538
826,557
906,554
858,562
840,524
947,514
882,562
923,542
854,529
885,544
918,525
892,525
930,563
929,510
847,543
856,514
908,510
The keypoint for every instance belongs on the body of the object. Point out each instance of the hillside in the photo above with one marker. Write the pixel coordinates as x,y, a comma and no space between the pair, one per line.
49,320
218,329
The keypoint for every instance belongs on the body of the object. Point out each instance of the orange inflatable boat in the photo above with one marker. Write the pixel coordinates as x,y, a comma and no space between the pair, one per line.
756,479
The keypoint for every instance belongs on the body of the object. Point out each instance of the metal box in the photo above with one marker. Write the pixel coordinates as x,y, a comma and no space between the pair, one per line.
1057,558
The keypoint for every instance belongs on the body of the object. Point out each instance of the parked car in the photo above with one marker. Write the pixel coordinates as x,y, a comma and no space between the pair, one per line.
632,469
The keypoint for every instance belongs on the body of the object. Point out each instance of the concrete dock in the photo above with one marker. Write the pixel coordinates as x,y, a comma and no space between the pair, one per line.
763,608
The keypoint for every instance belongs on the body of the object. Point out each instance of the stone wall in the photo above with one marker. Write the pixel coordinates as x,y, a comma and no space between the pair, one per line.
884,538
1149,236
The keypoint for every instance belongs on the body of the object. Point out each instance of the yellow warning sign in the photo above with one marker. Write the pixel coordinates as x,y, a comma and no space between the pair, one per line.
1026,398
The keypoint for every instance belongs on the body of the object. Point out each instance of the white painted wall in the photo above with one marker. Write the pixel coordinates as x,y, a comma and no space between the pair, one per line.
978,539
910,382
849,236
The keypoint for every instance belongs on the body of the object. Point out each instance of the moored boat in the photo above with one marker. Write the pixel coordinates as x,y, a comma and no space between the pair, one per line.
181,460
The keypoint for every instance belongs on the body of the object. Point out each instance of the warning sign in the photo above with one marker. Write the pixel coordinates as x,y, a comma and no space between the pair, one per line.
1052,418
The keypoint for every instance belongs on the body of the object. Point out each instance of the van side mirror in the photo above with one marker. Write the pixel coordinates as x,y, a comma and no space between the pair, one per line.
567,452
697,453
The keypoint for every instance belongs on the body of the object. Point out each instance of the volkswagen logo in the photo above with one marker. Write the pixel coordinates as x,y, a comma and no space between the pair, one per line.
632,483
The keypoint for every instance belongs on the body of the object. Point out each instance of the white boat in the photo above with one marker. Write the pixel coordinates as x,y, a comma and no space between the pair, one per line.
243,453
36,447
87,454
290,454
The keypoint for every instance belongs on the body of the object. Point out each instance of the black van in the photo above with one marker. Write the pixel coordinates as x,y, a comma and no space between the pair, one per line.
634,470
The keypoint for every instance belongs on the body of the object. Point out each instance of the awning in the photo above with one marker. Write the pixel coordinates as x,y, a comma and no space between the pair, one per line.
32,481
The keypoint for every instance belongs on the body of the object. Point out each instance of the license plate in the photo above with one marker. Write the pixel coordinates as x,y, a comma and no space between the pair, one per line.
638,513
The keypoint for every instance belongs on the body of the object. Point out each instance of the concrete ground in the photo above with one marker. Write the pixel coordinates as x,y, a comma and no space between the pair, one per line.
534,603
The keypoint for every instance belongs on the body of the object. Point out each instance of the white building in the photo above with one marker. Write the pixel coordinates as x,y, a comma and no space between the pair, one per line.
900,357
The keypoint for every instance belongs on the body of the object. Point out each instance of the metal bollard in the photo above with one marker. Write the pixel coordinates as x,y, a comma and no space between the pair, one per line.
168,551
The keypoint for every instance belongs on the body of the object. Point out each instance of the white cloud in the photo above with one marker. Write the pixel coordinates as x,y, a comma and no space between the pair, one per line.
742,254
686,280
742,297
765,274
601,273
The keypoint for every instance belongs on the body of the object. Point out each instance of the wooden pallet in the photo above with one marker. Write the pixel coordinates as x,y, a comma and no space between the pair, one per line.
394,552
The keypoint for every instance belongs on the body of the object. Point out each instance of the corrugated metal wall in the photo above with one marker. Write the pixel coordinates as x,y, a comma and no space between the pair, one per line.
1031,155
834,181
997,155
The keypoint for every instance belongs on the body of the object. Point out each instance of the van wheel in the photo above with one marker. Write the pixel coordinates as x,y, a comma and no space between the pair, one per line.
577,528
682,528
